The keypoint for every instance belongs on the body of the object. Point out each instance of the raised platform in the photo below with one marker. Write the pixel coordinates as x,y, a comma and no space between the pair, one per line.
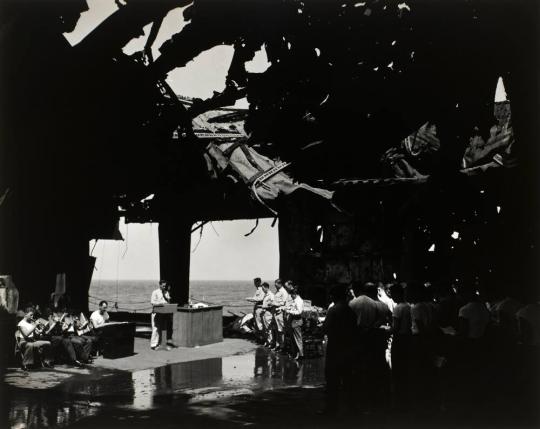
146,358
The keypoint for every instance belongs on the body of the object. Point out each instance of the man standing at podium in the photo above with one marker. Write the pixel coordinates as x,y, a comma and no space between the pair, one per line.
159,320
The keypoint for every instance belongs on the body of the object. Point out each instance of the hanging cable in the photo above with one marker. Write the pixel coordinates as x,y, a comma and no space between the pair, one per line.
117,274
199,226
101,265
127,237
254,228
200,238
93,247
212,225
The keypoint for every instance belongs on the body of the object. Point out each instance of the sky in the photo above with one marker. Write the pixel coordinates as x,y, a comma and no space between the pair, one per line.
223,254
200,78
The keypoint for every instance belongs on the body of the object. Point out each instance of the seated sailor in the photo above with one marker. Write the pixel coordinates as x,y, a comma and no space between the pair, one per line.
35,351
75,326
100,316
62,346
98,319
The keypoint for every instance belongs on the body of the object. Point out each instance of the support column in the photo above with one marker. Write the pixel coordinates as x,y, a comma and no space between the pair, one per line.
294,232
174,255
78,266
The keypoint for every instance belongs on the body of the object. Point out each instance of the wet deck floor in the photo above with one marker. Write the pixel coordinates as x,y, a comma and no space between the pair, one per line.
195,391
250,387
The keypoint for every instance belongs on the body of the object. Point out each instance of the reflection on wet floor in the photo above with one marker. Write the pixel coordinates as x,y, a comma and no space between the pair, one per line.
79,396
39,412
180,385
216,378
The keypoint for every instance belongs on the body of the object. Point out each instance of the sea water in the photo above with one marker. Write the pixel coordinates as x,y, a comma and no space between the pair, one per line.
134,295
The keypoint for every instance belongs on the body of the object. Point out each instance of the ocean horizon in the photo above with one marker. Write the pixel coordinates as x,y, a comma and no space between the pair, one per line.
134,295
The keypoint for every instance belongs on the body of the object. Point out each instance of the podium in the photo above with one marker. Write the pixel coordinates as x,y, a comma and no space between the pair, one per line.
165,308
193,327
117,339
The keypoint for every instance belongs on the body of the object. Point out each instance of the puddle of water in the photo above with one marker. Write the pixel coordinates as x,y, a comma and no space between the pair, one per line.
223,377
39,411
183,385
43,399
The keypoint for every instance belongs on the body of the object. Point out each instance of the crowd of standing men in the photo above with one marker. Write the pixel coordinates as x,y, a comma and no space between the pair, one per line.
421,347
278,316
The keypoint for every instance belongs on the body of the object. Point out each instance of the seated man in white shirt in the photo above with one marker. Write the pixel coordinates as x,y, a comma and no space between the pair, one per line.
34,350
77,329
100,316
98,319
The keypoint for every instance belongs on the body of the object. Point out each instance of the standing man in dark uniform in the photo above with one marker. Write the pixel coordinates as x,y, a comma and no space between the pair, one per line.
340,328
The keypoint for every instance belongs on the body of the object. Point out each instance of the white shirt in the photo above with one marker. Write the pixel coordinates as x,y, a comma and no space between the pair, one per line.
288,301
297,306
70,320
259,295
422,312
281,297
99,319
402,312
477,315
385,299
504,310
268,299
26,328
531,313
158,297
369,313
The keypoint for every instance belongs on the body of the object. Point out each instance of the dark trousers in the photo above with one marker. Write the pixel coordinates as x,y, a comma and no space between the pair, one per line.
35,352
160,322
423,373
401,370
296,329
338,375
371,371
98,342
169,327
63,349
83,346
